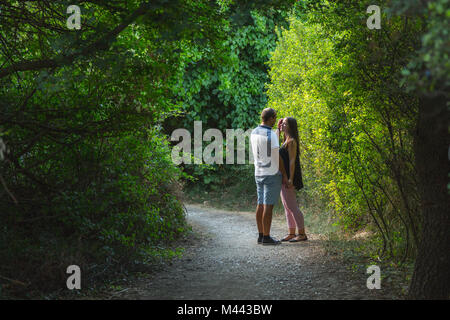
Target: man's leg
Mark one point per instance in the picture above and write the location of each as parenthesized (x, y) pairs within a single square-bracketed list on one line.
[(267, 219), (259, 217), (271, 195), (260, 207)]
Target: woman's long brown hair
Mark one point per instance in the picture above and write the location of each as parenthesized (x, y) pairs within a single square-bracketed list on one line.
[(293, 132)]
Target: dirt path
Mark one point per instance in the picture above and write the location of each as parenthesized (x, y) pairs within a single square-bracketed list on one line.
[(225, 262)]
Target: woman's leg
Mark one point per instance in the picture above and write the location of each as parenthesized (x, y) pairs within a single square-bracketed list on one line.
[(289, 217), (291, 203)]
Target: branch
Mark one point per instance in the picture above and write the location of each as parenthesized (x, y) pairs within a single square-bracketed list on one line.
[(102, 44), (13, 281), (7, 190)]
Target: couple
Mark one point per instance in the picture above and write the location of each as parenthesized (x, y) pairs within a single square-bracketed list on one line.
[(277, 169)]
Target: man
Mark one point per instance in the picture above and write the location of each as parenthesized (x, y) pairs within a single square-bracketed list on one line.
[(265, 148)]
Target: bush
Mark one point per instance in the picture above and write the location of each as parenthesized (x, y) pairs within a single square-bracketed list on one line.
[(118, 211), (356, 142)]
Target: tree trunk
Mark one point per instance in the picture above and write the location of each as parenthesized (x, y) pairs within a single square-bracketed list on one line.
[(431, 278)]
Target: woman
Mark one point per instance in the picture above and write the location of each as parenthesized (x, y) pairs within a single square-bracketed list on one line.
[(289, 152)]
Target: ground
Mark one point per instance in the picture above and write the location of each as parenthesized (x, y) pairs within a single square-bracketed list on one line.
[(222, 260)]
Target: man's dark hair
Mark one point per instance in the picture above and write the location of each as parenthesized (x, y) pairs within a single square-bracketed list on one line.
[(268, 113)]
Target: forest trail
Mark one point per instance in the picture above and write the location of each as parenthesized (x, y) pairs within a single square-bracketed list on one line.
[(223, 261)]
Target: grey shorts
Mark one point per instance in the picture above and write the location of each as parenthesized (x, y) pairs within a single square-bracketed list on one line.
[(268, 188)]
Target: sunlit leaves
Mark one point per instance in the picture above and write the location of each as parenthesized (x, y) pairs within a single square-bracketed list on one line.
[(342, 84)]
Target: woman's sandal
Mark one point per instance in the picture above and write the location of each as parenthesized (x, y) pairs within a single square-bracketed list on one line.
[(296, 239), (287, 237)]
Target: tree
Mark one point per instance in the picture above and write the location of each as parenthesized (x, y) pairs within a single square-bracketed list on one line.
[(427, 75), (375, 110), (88, 174), (88, 165)]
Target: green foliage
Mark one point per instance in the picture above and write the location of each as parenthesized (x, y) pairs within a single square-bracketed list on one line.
[(427, 72), (230, 187), (342, 82), (229, 95), (82, 112), (85, 167), (81, 116)]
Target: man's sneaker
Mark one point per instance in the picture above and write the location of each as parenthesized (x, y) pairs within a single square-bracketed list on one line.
[(260, 239), (269, 241)]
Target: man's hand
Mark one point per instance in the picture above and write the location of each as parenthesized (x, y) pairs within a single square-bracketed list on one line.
[(285, 181), (290, 184), (279, 124)]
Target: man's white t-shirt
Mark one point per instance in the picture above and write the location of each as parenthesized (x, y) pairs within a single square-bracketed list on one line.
[(265, 148)]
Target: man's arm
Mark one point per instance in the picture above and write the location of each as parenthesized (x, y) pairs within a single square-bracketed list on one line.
[(278, 130)]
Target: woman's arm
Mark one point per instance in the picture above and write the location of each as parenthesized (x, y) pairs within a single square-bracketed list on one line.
[(284, 176), (292, 148)]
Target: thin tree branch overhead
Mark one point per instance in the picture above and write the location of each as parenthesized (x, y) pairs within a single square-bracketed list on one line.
[(102, 44)]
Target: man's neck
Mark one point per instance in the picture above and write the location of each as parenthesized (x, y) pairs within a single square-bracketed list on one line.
[(265, 124)]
